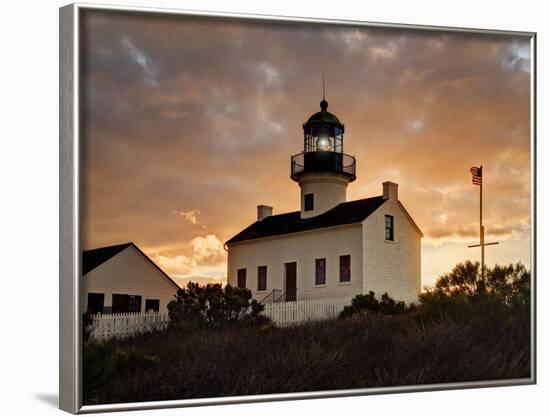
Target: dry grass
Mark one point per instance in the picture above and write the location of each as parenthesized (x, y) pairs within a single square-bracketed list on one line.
[(369, 351)]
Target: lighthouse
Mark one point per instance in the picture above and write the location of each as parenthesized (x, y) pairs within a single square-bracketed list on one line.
[(323, 171), (330, 247)]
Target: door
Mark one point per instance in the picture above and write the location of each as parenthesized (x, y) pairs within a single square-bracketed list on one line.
[(290, 281)]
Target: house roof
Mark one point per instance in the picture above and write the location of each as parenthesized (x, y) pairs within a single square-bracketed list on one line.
[(93, 258), (282, 224)]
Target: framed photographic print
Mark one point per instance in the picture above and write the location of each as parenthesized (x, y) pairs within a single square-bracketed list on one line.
[(257, 208)]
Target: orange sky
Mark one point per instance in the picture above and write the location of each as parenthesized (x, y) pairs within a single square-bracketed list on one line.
[(189, 124)]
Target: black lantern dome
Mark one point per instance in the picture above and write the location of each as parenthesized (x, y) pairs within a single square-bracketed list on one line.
[(323, 147), (324, 116)]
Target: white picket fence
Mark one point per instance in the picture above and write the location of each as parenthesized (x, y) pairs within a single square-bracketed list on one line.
[(295, 312), (123, 325), (286, 313)]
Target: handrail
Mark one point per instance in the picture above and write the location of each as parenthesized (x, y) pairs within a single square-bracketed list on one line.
[(322, 161), (273, 296)]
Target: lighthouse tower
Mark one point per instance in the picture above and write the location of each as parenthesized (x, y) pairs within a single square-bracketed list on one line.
[(322, 170)]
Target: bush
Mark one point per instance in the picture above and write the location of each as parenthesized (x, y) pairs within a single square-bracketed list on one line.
[(368, 302), (214, 306), (103, 361), (87, 327), (464, 294)]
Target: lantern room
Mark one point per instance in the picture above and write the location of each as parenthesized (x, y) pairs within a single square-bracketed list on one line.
[(323, 147), (323, 132)]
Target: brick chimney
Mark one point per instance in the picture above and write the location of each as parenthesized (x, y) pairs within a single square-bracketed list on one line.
[(390, 190), (264, 211)]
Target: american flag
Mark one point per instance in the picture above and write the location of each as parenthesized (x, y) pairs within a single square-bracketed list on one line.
[(476, 175)]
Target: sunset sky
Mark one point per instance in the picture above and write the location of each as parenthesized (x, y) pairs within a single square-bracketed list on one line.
[(188, 124)]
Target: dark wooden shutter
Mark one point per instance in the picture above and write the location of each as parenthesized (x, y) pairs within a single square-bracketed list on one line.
[(121, 303), (95, 303), (320, 271), (345, 268), (241, 278), (262, 278)]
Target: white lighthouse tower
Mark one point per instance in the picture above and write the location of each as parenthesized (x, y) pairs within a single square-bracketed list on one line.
[(322, 170)]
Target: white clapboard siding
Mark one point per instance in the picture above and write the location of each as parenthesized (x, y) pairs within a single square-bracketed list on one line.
[(106, 326), (128, 272), (295, 312)]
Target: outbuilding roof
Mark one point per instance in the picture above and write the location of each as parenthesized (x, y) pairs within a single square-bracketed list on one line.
[(282, 224), (93, 258)]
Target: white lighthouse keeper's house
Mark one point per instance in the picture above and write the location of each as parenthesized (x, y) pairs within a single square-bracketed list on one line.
[(331, 247)]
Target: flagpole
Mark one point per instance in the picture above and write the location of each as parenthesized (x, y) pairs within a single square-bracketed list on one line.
[(481, 228)]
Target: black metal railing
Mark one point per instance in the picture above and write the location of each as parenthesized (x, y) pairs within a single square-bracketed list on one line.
[(322, 162), (275, 296)]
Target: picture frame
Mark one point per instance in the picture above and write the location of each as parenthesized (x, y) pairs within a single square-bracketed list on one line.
[(70, 203)]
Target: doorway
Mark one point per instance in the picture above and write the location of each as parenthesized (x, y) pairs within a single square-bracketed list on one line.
[(290, 281)]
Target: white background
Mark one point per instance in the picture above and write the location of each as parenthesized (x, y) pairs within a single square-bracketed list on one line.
[(29, 205)]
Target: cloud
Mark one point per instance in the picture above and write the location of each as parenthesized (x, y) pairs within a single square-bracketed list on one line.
[(192, 216), (177, 264), (203, 257), (139, 57), (225, 114), (182, 282), (208, 248)]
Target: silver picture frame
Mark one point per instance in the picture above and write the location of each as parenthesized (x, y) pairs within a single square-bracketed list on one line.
[(70, 197)]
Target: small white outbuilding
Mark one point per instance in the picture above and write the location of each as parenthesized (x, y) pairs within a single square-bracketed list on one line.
[(331, 247), (122, 279)]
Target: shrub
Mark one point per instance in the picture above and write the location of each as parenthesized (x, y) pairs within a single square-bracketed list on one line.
[(87, 327), (103, 361), (368, 302), (502, 294), (214, 306)]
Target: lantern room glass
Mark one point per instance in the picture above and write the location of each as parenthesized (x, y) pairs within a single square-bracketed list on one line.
[(323, 138)]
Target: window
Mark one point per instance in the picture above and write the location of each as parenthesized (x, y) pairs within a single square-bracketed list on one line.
[(320, 271), (262, 278), (95, 303), (152, 305), (124, 303), (308, 202), (345, 268), (241, 278), (389, 227), (134, 303)]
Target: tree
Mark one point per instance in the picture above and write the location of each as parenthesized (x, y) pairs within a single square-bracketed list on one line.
[(463, 293), (213, 305)]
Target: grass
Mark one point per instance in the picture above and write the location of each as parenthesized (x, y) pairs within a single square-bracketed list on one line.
[(371, 350)]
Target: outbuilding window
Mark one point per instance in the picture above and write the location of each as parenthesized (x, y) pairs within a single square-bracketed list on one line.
[(320, 271), (345, 268), (152, 305), (124, 303), (389, 227), (308, 202), (262, 278), (241, 278)]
